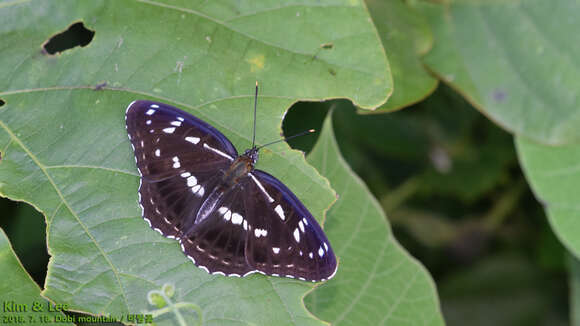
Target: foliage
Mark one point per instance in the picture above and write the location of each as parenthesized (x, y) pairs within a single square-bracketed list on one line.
[(449, 179)]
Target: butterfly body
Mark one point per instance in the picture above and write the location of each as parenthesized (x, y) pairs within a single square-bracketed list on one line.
[(240, 168), (229, 217)]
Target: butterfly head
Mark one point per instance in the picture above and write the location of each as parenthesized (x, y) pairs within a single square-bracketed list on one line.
[(252, 154)]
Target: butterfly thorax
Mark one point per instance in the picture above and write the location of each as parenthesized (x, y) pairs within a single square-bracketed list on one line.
[(241, 166)]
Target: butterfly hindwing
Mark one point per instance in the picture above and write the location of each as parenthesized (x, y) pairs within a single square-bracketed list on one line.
[(217, 243), (285, 239)]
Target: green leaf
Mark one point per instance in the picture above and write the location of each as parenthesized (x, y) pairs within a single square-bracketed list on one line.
[(65, 150), (512, 62), (554, 175), (199, 53), (406, 36), (378, 282), (18, 288)]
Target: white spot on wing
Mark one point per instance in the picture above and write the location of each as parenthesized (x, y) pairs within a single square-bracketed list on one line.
[(333, 273), (276, 250), (185, 175), (150, 112), (148, 122), (310, 255), (176, 123), (296, 235), (301, 226), (222, 210), (193, 140), (259, 184), (180, 119), (217, 151), (237, 218), (325, 246), (176, 164), (320, 252), (204, 268), (228, 215), (155, 106), (305, 221), (158, 152), (169, 130), (280, 212), (260, 232), (191, 181)]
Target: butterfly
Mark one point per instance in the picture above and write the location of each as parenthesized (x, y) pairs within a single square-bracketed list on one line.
[(230, 218)]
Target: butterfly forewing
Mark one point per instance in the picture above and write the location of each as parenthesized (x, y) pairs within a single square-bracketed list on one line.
[(167, 141), (229, 218), (179, 158), (285, 239)]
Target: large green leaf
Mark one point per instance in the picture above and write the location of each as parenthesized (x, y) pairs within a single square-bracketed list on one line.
[(64, 147), (378, 282), (406, 36), (17, 289), (199, 52), (513, 62), (554, 175)]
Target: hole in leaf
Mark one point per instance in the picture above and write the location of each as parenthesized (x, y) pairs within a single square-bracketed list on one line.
[(327, 46), (303, 116), (76, 35), (26, 230)]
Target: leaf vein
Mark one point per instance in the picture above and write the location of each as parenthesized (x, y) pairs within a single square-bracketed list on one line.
[(65, 202)]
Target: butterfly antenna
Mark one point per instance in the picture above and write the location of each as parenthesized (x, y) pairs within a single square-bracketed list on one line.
[(255, 109), (288, 138)]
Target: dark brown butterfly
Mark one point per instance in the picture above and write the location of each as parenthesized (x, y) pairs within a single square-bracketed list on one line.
[(230, 218)]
